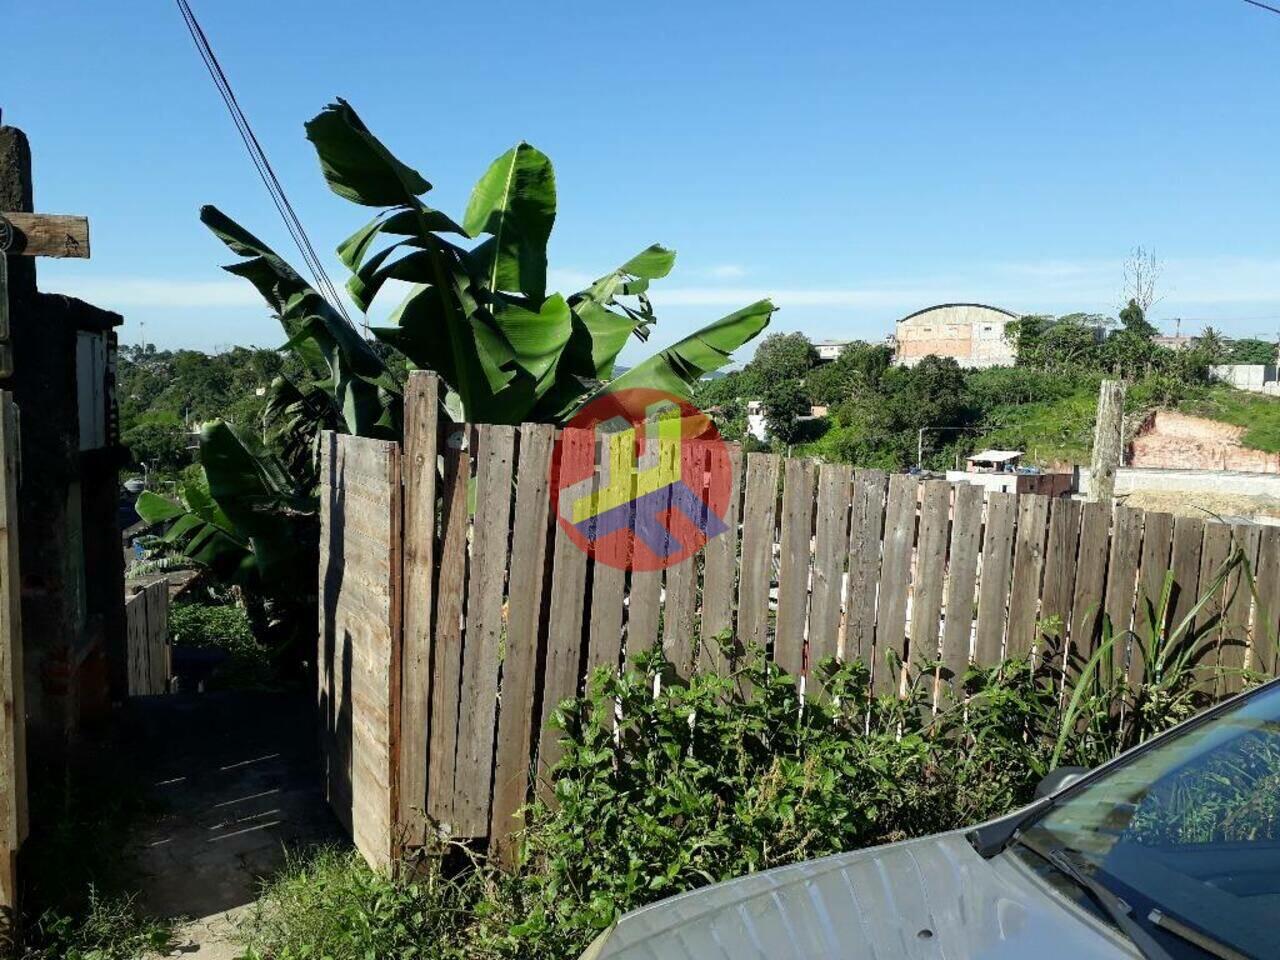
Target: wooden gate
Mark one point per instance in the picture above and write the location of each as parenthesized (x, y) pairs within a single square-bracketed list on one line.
[(13, 736)]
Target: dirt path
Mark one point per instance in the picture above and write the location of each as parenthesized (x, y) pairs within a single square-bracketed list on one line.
[(238, 779)]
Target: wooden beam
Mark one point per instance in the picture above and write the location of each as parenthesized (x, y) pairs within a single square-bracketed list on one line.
[(46, 235)]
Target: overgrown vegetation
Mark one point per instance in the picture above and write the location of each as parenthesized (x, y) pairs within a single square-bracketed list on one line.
[(1045, 405), (717, 776)]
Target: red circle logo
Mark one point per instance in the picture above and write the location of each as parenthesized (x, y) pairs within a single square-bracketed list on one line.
[(640, 479)]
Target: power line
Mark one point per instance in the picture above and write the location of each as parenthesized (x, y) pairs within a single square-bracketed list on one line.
[(1264, 6), (258, 156)]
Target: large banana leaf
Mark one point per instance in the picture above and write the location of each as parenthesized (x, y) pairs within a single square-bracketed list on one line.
[(677, 368), (201, 532), (246, 521), (360, 388)]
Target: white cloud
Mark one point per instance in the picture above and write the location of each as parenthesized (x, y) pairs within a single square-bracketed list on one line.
[(728, 271)]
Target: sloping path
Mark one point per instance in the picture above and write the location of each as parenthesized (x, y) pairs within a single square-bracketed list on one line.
[(238, 779)]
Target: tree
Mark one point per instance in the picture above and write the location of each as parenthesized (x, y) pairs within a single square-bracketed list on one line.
[(785, 402), (1251, 350), (1133, 318), (159, 441), (1141, 275), (780, 356), (1212, 345), (859, 363)]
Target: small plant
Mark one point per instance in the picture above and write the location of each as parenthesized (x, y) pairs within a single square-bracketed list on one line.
[(110, 929)]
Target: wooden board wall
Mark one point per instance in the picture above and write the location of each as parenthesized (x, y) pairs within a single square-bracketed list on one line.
[(360, 647), (148, 654)]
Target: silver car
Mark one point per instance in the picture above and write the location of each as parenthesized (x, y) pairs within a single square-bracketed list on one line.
[(1170, 851)]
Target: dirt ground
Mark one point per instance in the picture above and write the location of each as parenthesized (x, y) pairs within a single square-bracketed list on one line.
[(237, 777)]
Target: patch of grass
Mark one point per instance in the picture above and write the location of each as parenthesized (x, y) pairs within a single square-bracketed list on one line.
[(109, 929), (224, 626)]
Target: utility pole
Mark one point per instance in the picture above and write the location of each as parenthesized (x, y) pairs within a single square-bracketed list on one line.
[(1108, 441)]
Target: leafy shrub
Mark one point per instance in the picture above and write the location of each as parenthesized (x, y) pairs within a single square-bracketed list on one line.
[(110, 929), (224, 626), (717, 776)]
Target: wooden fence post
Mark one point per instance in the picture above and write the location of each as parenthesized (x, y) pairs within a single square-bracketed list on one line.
[(13, 724), (421, 446), (1108, 441)]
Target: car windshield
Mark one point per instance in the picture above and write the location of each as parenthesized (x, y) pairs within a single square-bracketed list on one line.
[(1187, 832)]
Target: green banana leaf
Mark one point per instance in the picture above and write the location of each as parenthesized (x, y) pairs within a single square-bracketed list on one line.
[(360, 388)]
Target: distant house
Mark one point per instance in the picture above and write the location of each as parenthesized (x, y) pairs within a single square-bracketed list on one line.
[(829, 350), (973, 334), (1176, 342)]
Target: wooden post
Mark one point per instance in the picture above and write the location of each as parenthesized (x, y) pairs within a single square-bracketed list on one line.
[(13, 736), (421, 446), (1108, 441)]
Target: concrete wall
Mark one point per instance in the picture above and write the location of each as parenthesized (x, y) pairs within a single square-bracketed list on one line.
[(1131, 480), (1254, 377), (972, 334)]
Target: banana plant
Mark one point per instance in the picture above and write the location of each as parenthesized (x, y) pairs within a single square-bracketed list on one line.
[(480, 315), (477, 312)]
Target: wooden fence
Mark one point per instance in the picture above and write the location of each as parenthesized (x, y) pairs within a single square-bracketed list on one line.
[(146, 616), (444, 721), (13, 725)]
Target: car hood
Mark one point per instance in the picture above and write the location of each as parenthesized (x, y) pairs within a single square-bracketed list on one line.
[(933, 898)]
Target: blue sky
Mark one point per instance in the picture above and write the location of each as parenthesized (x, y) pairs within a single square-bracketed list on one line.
[(856, 160)]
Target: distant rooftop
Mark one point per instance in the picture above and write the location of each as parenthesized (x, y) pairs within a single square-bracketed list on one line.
[(997, 456)]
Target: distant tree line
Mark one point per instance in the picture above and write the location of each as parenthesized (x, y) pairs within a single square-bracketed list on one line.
[(877, 411)]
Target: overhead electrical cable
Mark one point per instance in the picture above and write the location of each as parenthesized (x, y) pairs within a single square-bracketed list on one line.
[(292, 222)]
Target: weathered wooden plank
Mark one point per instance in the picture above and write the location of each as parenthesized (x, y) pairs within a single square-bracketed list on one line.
[(13, 730), (1028, 573), (895, 583), (520, 667), (793, 566), (615, 459), (1154, 565), (1266, 621), (477, 712), (866, 534), (1213, 587), (1059, 580), (418, 464), (993, 585), (830, 553), (644, 604), (1122, 579), (930, 571), (1188, 538), (562, 666), (1236, 629), (759, 513), (962, 579), (680, 629), (361, 643), (446, 647), (1091, 579), (48, 235), (719, 575)]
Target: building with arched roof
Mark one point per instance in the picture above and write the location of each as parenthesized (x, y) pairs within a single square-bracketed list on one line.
[(971, 333)]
